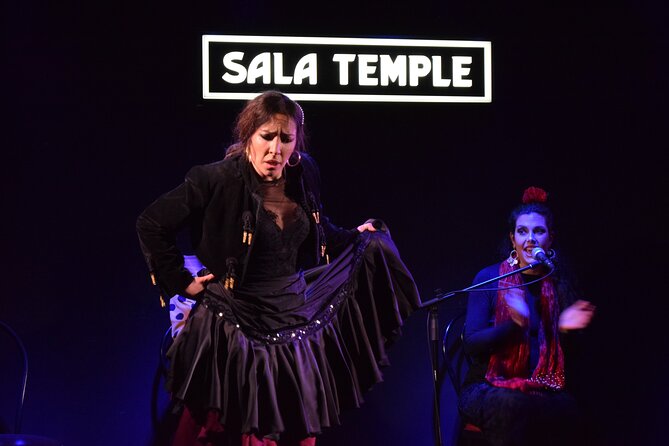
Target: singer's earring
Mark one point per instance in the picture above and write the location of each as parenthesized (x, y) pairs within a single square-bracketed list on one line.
[(551, 254), (294, 163), (513, 258)]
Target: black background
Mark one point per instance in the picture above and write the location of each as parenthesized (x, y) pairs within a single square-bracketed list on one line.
[(103, 112)]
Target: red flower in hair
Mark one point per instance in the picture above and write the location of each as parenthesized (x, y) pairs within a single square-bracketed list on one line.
[(534, 195)]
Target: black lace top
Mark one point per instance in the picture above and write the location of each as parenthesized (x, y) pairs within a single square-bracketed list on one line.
[(281, 228)]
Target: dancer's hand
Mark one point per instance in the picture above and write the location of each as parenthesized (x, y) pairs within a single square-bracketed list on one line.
[(198, 285)]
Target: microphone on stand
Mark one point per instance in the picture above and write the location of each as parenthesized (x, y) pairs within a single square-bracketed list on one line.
[(539, 254)]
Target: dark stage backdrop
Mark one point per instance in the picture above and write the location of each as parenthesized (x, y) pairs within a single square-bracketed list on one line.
[(103, 113)]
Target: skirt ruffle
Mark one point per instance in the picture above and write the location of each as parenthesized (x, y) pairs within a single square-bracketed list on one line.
[(290, 356)]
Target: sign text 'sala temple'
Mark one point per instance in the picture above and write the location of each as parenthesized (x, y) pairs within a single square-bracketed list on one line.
[(368, 69), (347, 69)]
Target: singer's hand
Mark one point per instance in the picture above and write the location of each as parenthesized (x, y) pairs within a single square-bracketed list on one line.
[(518, 309), (576, 316), (197, 285), (367, 226)]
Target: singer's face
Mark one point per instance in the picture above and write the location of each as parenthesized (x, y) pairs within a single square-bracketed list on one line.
[(271, 145), (531, 231)]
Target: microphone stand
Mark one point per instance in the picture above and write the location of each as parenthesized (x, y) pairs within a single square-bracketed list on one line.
[(433, 325)]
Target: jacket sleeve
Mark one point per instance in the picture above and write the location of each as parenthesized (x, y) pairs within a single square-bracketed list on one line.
[(481, 336), (160, 223), (336, 237)]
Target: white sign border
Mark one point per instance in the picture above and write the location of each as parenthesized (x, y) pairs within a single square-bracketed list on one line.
[(487, 67)]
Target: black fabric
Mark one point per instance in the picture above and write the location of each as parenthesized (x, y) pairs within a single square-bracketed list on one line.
[(281, 228), (280, 342), (211, 203), (509, 417), (291, 353)]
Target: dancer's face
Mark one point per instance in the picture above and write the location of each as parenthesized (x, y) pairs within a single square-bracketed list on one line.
[(271, 145)]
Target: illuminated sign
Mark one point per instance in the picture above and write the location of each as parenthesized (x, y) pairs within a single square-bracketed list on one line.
[(347, 69)]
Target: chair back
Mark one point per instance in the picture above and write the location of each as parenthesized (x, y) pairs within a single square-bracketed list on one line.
[(23, 365), (456, 364), (455, 361), (17, 438)]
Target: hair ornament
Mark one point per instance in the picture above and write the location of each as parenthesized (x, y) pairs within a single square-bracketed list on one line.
[(301, 112), (534, 195)]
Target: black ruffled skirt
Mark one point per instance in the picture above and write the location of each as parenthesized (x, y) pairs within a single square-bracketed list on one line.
[(288, 355)]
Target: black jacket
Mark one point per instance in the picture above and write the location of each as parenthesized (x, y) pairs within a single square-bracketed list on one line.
[(217, 203)]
